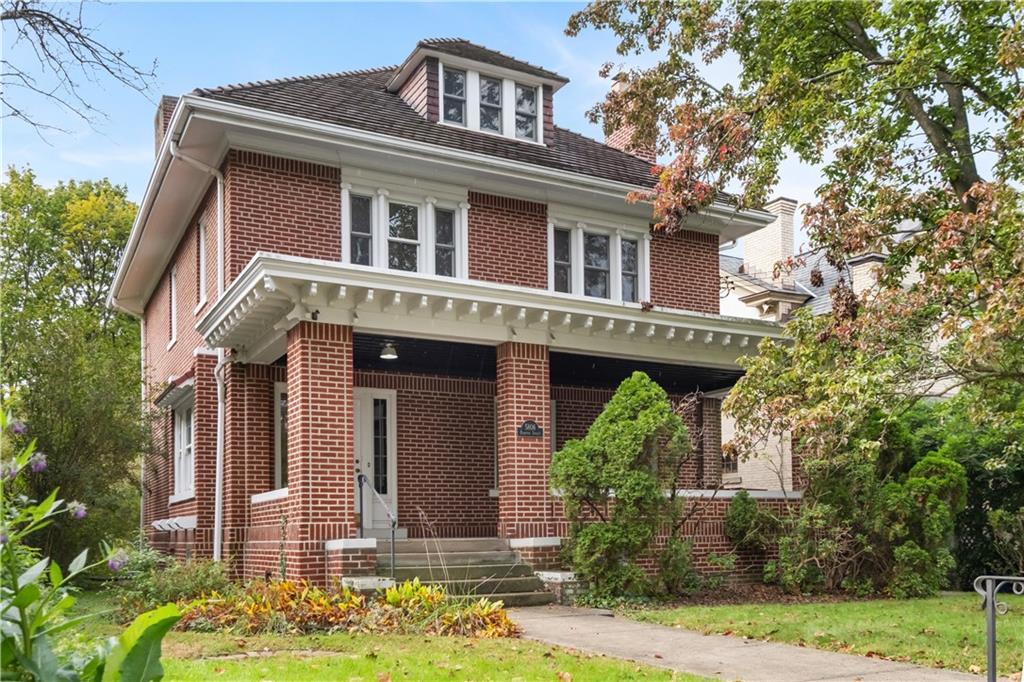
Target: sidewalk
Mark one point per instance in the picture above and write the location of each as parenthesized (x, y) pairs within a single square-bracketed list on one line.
[(727, 658)]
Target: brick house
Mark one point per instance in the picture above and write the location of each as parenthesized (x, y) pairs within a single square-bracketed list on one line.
[(409, 273)]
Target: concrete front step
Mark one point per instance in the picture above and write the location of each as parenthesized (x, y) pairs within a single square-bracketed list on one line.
[(466, 572), (485, 587), (442, 546), (523, 598), (447, 558)]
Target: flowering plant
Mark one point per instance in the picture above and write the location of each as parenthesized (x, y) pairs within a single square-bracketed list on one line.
[(36, 593)]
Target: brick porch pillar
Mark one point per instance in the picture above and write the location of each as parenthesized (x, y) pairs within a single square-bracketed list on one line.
[(711, 414), (320, 445), (524, 394)]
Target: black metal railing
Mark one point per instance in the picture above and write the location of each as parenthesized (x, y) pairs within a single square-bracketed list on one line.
[(989, 587), (364, 480)]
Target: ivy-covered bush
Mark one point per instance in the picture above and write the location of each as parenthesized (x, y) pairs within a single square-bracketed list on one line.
[(613, 481)]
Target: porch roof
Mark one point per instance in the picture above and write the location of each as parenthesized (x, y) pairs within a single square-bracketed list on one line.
[(273, 293)]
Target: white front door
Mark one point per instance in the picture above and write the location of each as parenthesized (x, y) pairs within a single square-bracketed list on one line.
[(376, 454)]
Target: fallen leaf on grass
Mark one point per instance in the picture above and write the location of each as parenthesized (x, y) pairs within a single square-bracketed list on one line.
[(563, 676), (384, 677), (658, 656), (976, 669)]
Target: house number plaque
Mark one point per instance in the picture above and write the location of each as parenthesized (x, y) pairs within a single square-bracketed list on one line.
[(530, 429)]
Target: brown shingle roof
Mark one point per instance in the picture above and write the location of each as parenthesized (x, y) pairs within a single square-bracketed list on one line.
[(358, 99), (459, 47)]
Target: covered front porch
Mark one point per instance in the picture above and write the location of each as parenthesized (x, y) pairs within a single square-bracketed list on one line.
[(449, 403)]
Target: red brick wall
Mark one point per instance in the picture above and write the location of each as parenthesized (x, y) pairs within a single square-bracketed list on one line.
[(281, 206), (523, 394), (320, 444), (508, 241), (684, 271), (445, 453)]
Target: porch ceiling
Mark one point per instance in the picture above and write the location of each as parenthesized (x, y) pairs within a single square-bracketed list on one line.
[(274, 293)]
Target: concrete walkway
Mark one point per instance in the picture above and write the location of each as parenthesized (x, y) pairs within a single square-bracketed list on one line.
[(728, 658)]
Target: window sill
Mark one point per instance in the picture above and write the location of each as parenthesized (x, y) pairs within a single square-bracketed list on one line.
[(269, 496), (181, 497)]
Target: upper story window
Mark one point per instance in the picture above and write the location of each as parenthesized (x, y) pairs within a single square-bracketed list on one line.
[(455, 96), (403, 232), (526, 112), (200, 265), (172, 303), (598, 262), (491, 104)]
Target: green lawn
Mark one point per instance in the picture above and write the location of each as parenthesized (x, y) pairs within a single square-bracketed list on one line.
[(202, 656), (942, 632)]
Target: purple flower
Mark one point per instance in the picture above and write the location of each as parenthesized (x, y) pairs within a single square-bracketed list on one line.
[(76, 509), (9, 470), (19, 428), (37, 462), (117, 560), (3, 537)]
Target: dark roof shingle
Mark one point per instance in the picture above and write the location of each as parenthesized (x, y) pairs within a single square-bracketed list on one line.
[(459, 47), (358, 99)]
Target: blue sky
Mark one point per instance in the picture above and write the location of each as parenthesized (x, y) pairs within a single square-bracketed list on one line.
[(209, 44)]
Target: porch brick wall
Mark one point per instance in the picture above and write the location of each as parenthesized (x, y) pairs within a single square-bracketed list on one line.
[(523, 393), (320, 444), (446, 453), (684, 271), (508, 241), (343, 563)]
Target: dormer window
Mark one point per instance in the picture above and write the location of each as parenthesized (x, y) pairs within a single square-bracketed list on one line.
[(455, 96), (526, 112), (490, 104)]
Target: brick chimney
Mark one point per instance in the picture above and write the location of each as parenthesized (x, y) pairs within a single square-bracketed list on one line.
[(162, 119), (765, 247), (864, 270), (621, 138)]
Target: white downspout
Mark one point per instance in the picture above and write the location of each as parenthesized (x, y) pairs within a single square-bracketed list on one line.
[(218, 372)]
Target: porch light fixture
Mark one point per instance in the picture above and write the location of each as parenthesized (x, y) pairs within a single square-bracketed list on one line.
[(388, 352)]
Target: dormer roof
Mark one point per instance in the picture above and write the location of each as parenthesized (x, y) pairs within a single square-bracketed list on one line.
[(462, 49)]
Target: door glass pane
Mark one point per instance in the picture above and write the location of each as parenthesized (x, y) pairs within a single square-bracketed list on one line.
[(380, 445), (282, 418)]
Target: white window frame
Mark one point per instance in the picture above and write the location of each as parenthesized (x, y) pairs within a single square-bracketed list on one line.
[(173, 303), (465, 97), (280, 463), (500, 106), (184, 436), (509, 80), (616, 234), (426, 205), (201, 265), (418, 242), (538, 115)]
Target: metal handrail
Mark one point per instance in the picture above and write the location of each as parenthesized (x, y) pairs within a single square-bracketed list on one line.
[(362, 479), (989, 586)]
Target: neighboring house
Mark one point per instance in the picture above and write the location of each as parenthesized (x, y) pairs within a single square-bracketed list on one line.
[(411, 273), (752, 289)]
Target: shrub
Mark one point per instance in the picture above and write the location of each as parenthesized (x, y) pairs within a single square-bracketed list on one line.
[(612, 489), (747, 525), (289, 606), (676, 575), (918, 572), (1008, 536), (152, 578)]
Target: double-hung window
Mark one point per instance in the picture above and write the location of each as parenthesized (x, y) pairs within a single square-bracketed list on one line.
[(444, 242), (526, 112), (490, 104), (184, 452), (403, 236), (630, 266), (596, 265), (361, 222), (562, 254), (454, 105)]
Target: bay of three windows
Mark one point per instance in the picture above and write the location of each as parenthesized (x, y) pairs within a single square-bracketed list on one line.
[(403, 232), (494, 105), (596, 264)]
